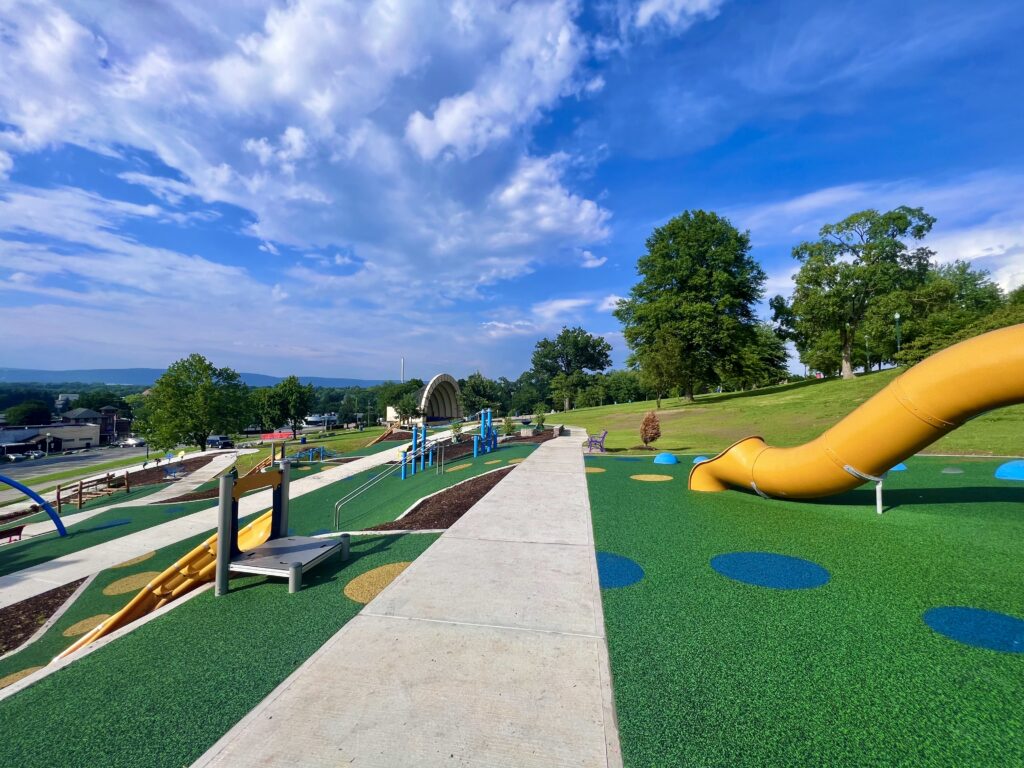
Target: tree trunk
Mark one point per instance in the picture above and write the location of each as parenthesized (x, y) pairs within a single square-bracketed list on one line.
[(688, 391), (659, 406), (847, 369), (566, 409)]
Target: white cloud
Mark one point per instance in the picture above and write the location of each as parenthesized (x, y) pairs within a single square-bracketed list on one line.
[(676, 15), (590, 261), (609, 303), (6, 164), (542, 50)]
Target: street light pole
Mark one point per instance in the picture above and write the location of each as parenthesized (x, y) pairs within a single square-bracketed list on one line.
[(47, 445), (897, 317)]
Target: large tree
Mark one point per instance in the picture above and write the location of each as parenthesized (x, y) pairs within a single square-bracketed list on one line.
[(28, 412), (699, 283), (844, 273), (267, 408), (572, 353), (478, 392), (296, 401), (191, 401)]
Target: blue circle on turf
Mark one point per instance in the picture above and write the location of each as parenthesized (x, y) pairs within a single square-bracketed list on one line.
[(1011, 470), (978, 627), (700, 459), (665, 458), (614, 571), (173, 510), (767, 569), (901, 467)]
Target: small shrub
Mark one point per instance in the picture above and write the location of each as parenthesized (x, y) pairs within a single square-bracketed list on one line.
[(650, 429), (540, 419), (508, 426)]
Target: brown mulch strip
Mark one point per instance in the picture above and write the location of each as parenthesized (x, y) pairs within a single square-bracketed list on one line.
[(442, 510), (19, 622)]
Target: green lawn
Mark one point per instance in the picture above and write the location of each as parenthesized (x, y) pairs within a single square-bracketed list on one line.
[(710, 671), (163, 694), (786, 415)]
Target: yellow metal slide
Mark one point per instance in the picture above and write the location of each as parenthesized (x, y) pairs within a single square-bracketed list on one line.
[(928, 401), (191, 571)]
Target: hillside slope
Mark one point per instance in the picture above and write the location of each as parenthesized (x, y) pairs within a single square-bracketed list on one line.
[(785, 416)]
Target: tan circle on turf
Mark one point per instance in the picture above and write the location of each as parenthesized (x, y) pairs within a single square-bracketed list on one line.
[(493, 461), (595, 470), (16, 676), (458, 467), (365, 587), (132, 583), (651, 478), (134, 560), (85, 625), (516, 461), (305, 469)]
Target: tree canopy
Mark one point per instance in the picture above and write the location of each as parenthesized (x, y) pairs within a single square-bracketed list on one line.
[(698, 283), (562, 363), (28, 412), (191, 401), (296, 401), (844, 275)]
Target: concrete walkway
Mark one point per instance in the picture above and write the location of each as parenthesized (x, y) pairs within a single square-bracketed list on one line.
[(489, 650), (30, 582), (187, 484)]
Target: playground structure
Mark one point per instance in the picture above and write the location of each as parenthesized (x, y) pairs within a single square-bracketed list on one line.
[(38, 500), (487, 440), (87, 490), (210, 561), (928, 401)]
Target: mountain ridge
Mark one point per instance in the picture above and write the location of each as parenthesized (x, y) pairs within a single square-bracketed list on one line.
[(145, 377)]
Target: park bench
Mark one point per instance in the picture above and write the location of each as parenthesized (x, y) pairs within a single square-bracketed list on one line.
[(12, 534), (596, 442)]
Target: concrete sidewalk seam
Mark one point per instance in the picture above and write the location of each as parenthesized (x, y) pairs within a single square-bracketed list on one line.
[(483, 626)]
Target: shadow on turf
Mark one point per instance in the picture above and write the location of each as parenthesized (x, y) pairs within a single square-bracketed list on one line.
[(898, 497)]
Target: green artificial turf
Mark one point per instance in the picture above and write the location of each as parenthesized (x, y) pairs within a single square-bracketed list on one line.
[(713, 672), (314, 512), (87, 533), (163, 694)]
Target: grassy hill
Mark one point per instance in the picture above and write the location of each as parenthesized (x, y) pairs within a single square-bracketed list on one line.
[(785, 416)]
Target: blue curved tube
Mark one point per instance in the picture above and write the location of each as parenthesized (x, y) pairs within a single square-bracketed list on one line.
[(38, 500)]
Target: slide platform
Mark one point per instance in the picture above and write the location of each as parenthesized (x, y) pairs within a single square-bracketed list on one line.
[(930, 400)]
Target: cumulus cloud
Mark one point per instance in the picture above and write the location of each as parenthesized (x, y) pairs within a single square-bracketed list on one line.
[(676, 15), (590, 261)]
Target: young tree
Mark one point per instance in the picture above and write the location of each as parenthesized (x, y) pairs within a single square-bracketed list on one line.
[(192, 401), (296, 401), (660, 366), (843, 274), (478, 392), (407, 408), (572, 353), (28, 412), (699, 283), (650, 429)]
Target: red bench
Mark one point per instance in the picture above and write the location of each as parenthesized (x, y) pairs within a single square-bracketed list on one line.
[(12, 534)]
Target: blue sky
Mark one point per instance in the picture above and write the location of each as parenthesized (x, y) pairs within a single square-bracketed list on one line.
[(320, 188)]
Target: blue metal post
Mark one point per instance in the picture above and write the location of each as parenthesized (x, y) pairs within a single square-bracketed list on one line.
[(415, 439), (403, 465), (476, 445), (423, 448), (430, 458)]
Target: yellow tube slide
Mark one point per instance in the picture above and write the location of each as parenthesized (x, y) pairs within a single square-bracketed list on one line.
[(192, 570), (928, 401)]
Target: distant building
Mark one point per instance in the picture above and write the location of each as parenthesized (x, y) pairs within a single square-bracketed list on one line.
[(65, 399), (105, 419), (52, 437)]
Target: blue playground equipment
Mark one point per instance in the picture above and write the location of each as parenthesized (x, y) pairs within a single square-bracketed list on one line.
[(315, 453), (38, 500), (422, 452), (665, 458), (487, 440), (1011, 470), (699, 459)]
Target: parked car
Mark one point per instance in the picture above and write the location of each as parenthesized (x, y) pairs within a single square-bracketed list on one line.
[(219, 441), (36, 454), (132, 442)]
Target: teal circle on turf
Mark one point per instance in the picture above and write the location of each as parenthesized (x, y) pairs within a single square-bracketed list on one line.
[(665, 458), (700, 459), (1011, 470), (901, 467), (768, 569), (615, 571), (978, 627)]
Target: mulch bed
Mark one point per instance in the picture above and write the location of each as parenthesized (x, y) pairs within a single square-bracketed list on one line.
[(443, 509), (19, 622)]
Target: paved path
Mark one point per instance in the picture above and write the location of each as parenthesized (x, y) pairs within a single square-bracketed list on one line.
[(29, 582), (489, 650), (187, 484)]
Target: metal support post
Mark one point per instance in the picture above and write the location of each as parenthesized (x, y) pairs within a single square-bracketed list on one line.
[(225, 534), (281, 493), (403, 465), (476, 446), (346, 545), (294, 577), (878, 497)]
